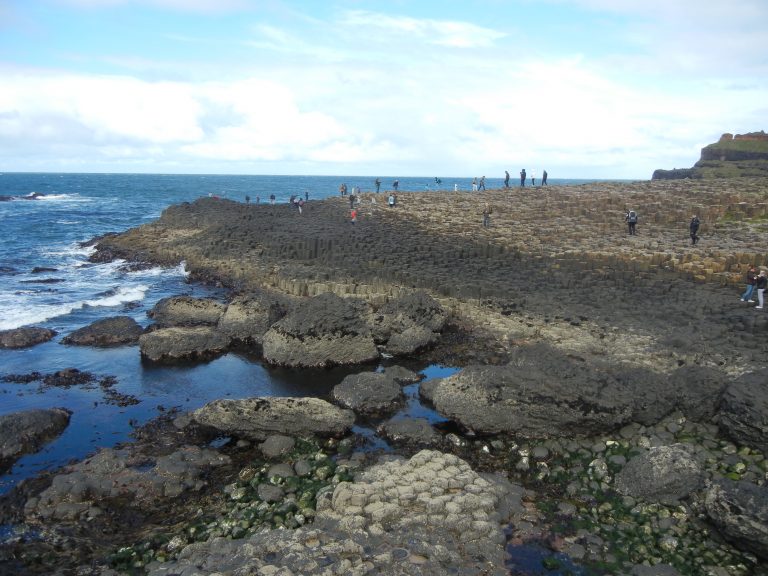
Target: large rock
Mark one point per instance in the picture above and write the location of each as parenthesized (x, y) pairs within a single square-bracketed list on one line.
[(409, 323), (259, 418), (107, 332), (186, 311), (178, 344), (664, 474), (25, 432), (744, 410), (86, 489), (248, 317), (369, 393), (25, 337), (699, 391), (740, 512), (410, 433), (539, 394), (323, 331)]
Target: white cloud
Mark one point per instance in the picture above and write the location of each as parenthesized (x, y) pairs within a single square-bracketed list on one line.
[(440, 32)]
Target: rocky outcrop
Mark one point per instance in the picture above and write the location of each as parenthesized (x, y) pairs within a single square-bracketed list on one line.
[(744, 410), (175, 344), (259, 418), (740, 512), (85, 490), (409, 323), (25, 432), (664, 474), (731, 156), (410, 433), (25, 337), (249, 316), (323, 331), (369, 394), (186, 311), (107, 332)]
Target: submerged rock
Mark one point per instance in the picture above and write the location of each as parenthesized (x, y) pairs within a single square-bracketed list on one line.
[(25, 432)]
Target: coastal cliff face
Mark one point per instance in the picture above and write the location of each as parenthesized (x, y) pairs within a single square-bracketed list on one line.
[(730, 157)]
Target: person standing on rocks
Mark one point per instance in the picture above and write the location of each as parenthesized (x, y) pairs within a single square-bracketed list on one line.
[(631, 219), (533, 177), (506, 178), (522, 178), (481, 185), (474, 184), (761, 284), (751, 281), (377, 182), (695, 222), (271, 198), (544, 178), (395, 184), (353, 216), (391, 200), (487, 215)]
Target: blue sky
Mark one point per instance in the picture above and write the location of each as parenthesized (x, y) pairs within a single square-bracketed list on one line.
[(581, 88)]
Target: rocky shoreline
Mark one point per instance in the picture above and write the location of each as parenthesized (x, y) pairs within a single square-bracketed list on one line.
[(610, 416)]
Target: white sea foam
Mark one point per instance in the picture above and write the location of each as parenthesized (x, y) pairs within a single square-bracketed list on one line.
[(19, 315), (122, 295)]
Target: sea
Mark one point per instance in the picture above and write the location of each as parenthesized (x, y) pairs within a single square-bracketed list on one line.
[(46, 280)]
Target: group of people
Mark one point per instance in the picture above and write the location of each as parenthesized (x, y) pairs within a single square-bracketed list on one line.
[(755, 281), (524, 177)]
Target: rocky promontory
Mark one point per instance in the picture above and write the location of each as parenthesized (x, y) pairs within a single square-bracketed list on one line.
[(733, 156)]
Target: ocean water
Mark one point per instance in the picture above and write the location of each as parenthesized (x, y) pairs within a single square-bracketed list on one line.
[(46, 280)]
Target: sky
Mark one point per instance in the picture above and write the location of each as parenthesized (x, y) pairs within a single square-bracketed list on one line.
[(462, 88)]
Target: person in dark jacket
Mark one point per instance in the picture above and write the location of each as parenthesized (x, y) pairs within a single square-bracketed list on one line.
[(631, 219), (761, 283), (751, 280), (694, 226)]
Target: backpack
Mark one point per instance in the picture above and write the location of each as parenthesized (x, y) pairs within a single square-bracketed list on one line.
[(632, 216)]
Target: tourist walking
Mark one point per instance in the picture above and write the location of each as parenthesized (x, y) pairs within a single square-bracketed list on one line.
[(481, 185), (761, 284), (391, 200), (522, 178), (544, 178), (751, 281), (631, 219), (353, 216), (533, 177), (395, 184), (694, 226), (343, 189), (486, 216), (377, 182), (474, 184), (271, 198), (506, 178)]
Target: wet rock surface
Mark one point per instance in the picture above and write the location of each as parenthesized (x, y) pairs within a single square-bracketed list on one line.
[(25, 337), (169, 345), (186, 311), (27, 431), (107, 332), (369, 394)]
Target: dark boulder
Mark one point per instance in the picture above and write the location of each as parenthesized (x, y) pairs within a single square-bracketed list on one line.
[(663, 474), (740, 512), (699, 391), (744, 410), (25, 432), (25, 337), (186, 311), (107, 332), (369, 394), (176, 344), (325, 330), (409, 323), (411, 433)]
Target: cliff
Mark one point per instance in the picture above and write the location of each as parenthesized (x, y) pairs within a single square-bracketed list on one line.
[(742, 155)]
